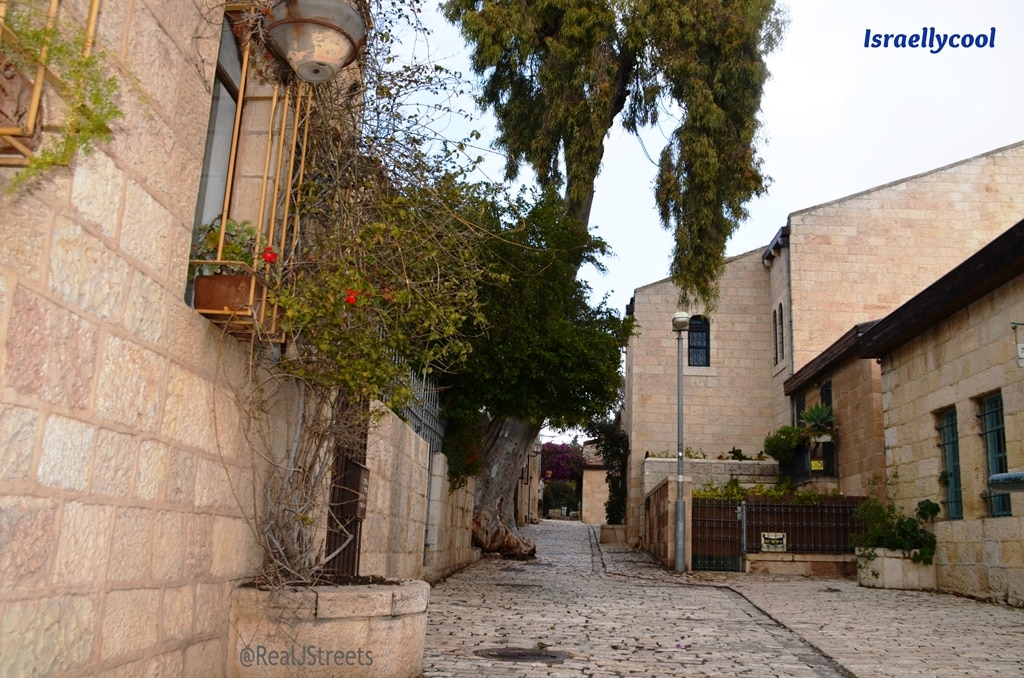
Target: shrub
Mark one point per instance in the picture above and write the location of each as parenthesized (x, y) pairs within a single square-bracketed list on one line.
[(782, 444), (885, 526)]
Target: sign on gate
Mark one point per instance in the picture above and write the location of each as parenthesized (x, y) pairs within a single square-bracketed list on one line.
[(773, 542)]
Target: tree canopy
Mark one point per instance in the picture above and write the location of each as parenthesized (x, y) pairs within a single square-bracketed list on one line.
[(548, 354), (558, 73)]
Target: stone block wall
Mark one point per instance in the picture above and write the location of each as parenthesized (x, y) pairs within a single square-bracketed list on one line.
[(124, 473), (402, 537), (126, 470), (595, 494), (659, 534), (396, 508), (857, 404), (964, 357), (858, 258), (716, 472), (450, 535), (725, 405)]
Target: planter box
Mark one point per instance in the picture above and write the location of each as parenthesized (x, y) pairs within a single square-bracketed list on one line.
[(369, 630), (894, 570)]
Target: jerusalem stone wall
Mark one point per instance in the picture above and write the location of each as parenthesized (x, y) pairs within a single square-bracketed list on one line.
[(450, 533), (124, 475), (716, 472), (858, 258), (397, 540), (595, 495), (966, 356), (857, 404), (126, 480), (725, 405)]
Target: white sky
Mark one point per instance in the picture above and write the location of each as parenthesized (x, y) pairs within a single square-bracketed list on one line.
[(837, 119)]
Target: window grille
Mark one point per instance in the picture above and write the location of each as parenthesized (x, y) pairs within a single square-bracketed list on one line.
[(950, 445), (700, 342), (282, 123), (994, 435)]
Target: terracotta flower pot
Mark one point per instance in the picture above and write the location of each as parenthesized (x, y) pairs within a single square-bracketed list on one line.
[(226, 293)]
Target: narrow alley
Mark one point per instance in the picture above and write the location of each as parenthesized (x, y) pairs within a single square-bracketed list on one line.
[(585, 609)]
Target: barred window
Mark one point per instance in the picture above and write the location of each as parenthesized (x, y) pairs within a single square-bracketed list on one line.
[(700, 342), (949, 443), (994, 435)]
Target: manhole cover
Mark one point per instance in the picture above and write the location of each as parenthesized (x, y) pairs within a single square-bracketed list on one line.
[(518, 654)]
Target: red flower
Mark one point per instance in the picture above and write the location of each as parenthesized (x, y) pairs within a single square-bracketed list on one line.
[(269, 255), (350, 296)]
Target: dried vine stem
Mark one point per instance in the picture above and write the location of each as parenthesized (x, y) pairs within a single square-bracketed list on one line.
[(383, 279)]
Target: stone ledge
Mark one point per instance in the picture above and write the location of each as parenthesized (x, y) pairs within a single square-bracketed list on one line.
[(366, 630)]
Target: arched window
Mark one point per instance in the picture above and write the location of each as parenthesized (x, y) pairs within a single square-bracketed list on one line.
[(700, 342), (775, 337)]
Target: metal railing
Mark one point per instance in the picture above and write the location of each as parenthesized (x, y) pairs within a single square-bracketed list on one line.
[(788, 525), (725, 530)]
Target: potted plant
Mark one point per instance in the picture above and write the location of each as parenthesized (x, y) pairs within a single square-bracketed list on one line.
[(894, 550), (222, 267), (820, 422)]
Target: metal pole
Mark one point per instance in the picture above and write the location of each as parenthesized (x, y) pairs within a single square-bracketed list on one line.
[(680, 558)]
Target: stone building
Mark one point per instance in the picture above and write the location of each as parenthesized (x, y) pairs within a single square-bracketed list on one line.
[(952, 373), (128, 483), (595, 486), (831, 268)]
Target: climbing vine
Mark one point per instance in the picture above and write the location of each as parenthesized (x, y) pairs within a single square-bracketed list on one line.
[(83, 83)]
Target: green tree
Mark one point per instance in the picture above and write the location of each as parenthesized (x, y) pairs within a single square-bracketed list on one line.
[(547, 356), (613, 446), (558, 74)]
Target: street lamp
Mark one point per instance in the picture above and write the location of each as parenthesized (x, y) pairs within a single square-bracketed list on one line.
[(680, 324)]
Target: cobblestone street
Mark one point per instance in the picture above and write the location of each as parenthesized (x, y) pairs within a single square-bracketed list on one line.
[(612, 611)]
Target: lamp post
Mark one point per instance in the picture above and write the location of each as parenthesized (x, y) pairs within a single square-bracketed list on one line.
[(680, 324)]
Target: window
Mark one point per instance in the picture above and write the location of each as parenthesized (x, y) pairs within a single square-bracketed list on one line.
[(994, 435), (775, 337), (782, 335), (949, 444), (825, 393), (700, 342), (220, 129)]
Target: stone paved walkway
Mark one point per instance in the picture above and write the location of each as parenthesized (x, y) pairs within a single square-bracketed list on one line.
[(614, 612)]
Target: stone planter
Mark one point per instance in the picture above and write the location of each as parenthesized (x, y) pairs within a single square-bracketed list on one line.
[(891, 569), (368, 630)]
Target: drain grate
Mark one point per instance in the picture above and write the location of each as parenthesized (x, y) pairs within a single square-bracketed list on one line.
[(519, 654)]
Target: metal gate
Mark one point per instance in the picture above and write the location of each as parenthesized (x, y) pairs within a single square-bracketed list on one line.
[(717, 539)]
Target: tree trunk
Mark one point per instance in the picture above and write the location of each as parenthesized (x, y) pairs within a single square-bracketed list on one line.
[(506, 448)]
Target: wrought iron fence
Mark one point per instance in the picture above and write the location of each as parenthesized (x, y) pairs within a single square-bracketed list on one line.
[(424, 412), (794, 527), (725, 530)]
